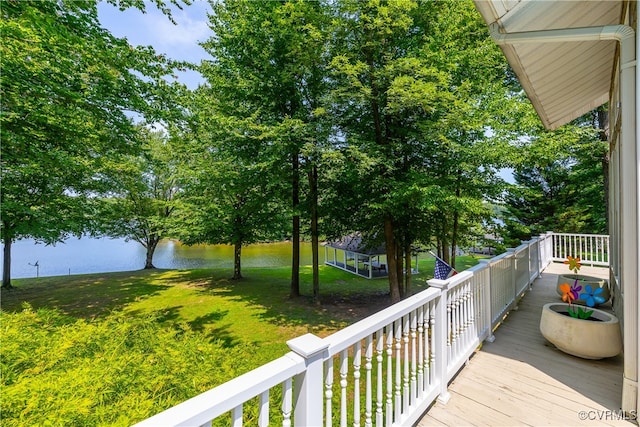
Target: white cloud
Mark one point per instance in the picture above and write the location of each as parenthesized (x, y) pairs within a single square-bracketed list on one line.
[(152, 28), (192, 27)]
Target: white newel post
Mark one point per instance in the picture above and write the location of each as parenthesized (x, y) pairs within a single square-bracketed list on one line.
[(529, 248), (441, 337), (308, 396), (542, 251), (486, 300), (514, 277)]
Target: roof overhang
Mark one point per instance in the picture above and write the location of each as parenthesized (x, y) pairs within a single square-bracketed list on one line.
[(355, 243), (563, 77)]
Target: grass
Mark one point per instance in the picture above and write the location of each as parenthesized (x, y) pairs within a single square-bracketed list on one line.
[(171, 334)]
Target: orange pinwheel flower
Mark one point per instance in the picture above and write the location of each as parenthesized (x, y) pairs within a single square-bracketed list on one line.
[(567, 294), (574, 263)]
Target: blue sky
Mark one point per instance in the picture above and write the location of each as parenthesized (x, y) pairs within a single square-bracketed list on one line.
[(152, 28)]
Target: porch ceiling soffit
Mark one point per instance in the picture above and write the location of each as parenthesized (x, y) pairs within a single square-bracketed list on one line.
[(562, 80)]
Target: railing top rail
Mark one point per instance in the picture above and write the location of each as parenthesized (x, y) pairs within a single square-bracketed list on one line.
[(346, 337), (453, 281), (498, 258), (483, 265), (581, 235), (206, 406)]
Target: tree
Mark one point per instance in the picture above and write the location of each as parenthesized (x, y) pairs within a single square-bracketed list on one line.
[(559, 185), (141, 210), (267, 70), (228, 197), (415, 82), (66, 87)]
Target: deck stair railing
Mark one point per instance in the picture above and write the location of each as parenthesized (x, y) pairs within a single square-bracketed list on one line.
[(387, 369)]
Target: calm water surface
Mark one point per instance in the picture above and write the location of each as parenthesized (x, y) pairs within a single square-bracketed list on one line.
[(86, 255)]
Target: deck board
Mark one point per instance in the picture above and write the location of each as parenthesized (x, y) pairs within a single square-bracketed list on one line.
[(522, 380)]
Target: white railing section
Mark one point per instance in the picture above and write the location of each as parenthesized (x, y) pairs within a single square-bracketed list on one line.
[(592, 249), (393, 361), (387, 369), (231, 396)]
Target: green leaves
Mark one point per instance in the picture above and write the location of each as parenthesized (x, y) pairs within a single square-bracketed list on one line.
[(68, 88), (112, 371)]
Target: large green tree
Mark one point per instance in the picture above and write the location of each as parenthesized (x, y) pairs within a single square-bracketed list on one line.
[(415, 86), (559, 185), (144, 195), (67, 87), (227, 197), (267, 71)]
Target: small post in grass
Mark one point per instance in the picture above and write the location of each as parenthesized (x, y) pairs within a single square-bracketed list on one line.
[(37, 266)]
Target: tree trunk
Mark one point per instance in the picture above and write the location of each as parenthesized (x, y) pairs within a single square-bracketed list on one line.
[(390, 249), (313, 185), (295, 261), (6, 263), (151, 248), (400, 268), (408, 274), (237, 256), (603, 135), (456, 224)]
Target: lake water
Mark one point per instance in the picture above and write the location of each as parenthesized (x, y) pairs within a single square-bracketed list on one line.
[(86, 255)]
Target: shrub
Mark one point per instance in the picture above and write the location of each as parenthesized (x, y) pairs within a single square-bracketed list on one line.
[(116, 370)]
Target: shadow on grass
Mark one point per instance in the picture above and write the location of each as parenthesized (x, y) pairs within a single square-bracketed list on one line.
[(344, 298), (83, 296)]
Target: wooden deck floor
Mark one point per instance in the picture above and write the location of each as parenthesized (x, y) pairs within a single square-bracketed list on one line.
[(522, 380)]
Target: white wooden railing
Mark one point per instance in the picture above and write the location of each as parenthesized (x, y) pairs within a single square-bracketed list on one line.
[(388, 368), (592, 249)]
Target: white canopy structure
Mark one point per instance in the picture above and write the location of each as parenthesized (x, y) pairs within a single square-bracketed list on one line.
[(352, 255)]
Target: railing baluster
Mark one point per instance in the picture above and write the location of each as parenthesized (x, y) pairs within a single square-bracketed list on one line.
[(379, 362), (357, 354), (465, 316), (389, 408), (368, 356), (344, 371), (472, 330), (457, 327), (287, 402), (407, 373), (432, 356), (263, 418), (414, 356), (328, 392), (450, 325), (473, 312), (421, 352), (236, 416), (398, 375)]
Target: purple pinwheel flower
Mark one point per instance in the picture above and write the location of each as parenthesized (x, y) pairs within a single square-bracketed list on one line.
[(575, 289)]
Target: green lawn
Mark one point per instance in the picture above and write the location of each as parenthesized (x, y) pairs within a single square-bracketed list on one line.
[(112, 349)]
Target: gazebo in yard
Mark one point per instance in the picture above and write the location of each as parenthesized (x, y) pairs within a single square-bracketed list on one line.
[(351, 254)]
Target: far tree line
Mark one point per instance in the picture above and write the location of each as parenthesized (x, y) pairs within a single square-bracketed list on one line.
[(316, 120)]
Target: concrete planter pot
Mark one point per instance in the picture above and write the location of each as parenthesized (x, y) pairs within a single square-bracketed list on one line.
[(583, 281), (594, 338)]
